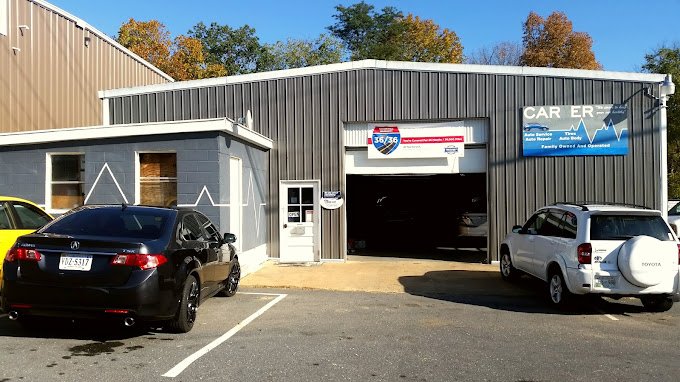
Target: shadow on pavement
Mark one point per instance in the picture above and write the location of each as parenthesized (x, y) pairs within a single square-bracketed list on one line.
[(527, 295), (58, 328), (462, 255)]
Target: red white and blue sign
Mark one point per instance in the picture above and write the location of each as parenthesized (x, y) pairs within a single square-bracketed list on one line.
[(416, 142), (386, 139)]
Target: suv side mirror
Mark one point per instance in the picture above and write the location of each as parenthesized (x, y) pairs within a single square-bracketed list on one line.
[(517, 229), (229, 238)]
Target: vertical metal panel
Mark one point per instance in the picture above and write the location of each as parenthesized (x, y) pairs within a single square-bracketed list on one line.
[(52, 80), (305, 118)]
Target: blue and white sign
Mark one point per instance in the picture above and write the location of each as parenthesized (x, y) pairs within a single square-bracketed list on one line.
[(577, 130)]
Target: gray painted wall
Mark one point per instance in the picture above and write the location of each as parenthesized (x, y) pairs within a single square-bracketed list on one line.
[(199, 164), (304, 116)]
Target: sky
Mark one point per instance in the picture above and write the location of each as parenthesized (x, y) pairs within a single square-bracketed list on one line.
[(623, 31)]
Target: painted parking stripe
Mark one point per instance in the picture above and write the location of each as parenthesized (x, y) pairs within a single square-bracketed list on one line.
[(177, 370), (609, 316)]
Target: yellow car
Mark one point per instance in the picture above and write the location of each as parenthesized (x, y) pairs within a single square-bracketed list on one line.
[(18, 217)]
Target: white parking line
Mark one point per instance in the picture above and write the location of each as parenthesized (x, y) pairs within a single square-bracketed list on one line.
[(177, 370), (609, 316)]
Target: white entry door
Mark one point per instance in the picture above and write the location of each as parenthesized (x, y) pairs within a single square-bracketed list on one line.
[(236, 200), (300, 226)]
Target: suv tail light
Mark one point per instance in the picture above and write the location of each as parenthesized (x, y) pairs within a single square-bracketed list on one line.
[(139, 260), (585, 252), (678, 254), (24, 254)]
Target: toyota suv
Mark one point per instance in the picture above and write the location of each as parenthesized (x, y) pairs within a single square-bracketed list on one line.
[(602, 249)]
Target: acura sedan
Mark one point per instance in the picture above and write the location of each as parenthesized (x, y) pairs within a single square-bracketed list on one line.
[(130, 263)]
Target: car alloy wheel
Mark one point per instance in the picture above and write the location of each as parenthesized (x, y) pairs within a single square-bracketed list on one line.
[(505, 265), (556, 289), (192, 302)]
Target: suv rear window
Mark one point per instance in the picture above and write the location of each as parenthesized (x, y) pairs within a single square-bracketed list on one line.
[(624, 227), (148, 224)]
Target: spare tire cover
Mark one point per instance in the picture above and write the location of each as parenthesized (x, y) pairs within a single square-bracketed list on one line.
[(645, 261)]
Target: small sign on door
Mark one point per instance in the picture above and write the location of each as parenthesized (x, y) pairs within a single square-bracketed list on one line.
[(309, 216)]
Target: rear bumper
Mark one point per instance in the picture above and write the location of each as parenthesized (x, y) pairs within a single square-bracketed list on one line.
[(585, 281), (141, 297)]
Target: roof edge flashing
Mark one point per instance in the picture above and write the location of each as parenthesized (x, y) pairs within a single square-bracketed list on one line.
[(525, 71)]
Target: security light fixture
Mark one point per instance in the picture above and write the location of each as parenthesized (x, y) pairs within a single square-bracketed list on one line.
[(667, 87)]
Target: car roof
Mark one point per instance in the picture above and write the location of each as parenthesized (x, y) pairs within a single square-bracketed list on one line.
[(605, 207), (15, 199)]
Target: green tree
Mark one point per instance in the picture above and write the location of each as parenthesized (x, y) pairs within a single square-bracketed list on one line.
[(365, 32), (667, 60), (238, 50), (389, 35), (552, 42), (302, 53)]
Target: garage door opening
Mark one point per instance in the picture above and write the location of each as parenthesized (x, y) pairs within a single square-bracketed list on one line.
[(418, 216)]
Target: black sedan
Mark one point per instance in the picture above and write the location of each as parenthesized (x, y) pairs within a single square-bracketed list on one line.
[(132, 263)]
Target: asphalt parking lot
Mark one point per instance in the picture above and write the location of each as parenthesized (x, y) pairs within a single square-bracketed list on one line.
[(312, 335)]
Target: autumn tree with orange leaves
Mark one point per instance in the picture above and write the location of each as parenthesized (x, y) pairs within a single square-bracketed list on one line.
[(552, 42), (182, 58)]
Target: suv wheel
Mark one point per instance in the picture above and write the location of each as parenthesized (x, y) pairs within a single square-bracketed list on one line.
[(557, 289), (508, 271), (657, 303)]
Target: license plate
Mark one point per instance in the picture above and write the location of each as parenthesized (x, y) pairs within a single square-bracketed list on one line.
[(608, 282), (72, 262)]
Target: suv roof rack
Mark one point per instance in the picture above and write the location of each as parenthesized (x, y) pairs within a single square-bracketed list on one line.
[(583, 205), (575, 204)]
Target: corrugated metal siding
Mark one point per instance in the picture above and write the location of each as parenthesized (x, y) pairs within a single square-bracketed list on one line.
[(53, 79), (305, 117)]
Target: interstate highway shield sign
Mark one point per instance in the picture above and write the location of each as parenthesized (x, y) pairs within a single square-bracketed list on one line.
[(386, 139)]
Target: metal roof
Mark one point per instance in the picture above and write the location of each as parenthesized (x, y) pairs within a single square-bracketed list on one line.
[(393, 65)]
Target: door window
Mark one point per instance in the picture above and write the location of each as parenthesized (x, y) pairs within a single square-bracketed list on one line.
[(30, 217), (4, 217), (210, 230), (551, 224), (190, 230), (300, 204), (535, 223), (568, 226)]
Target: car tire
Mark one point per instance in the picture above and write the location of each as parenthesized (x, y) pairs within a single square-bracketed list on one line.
[(558, 293), (508, 271), (657, 303), (232, 281), (188, 307)]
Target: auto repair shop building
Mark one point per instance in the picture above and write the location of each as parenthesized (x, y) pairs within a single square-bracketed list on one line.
[(386, 153)]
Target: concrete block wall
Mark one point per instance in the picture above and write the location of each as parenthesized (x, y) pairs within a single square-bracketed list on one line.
[(109, 165)]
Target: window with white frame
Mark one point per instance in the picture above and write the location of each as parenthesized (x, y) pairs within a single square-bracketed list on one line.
[(4, 17), (65, 181), (158, 179)]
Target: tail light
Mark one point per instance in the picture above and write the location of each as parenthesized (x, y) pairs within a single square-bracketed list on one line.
[(678, 254), (24, 254), (139, 260), (584, 252)]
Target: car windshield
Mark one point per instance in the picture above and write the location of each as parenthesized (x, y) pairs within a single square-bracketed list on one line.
[(623, 227), (148, 224), (675, 210)]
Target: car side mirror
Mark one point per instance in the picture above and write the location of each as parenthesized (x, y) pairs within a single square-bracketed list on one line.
[(229, 238), (517, 229)]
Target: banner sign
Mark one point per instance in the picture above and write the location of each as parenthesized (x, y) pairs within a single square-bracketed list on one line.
[(385, 142), (575, 130)]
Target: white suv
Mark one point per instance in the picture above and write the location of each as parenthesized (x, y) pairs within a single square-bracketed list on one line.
[(603, 249)]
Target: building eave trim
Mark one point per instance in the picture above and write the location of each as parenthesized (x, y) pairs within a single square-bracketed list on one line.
[(524, 71), (135, 130)]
